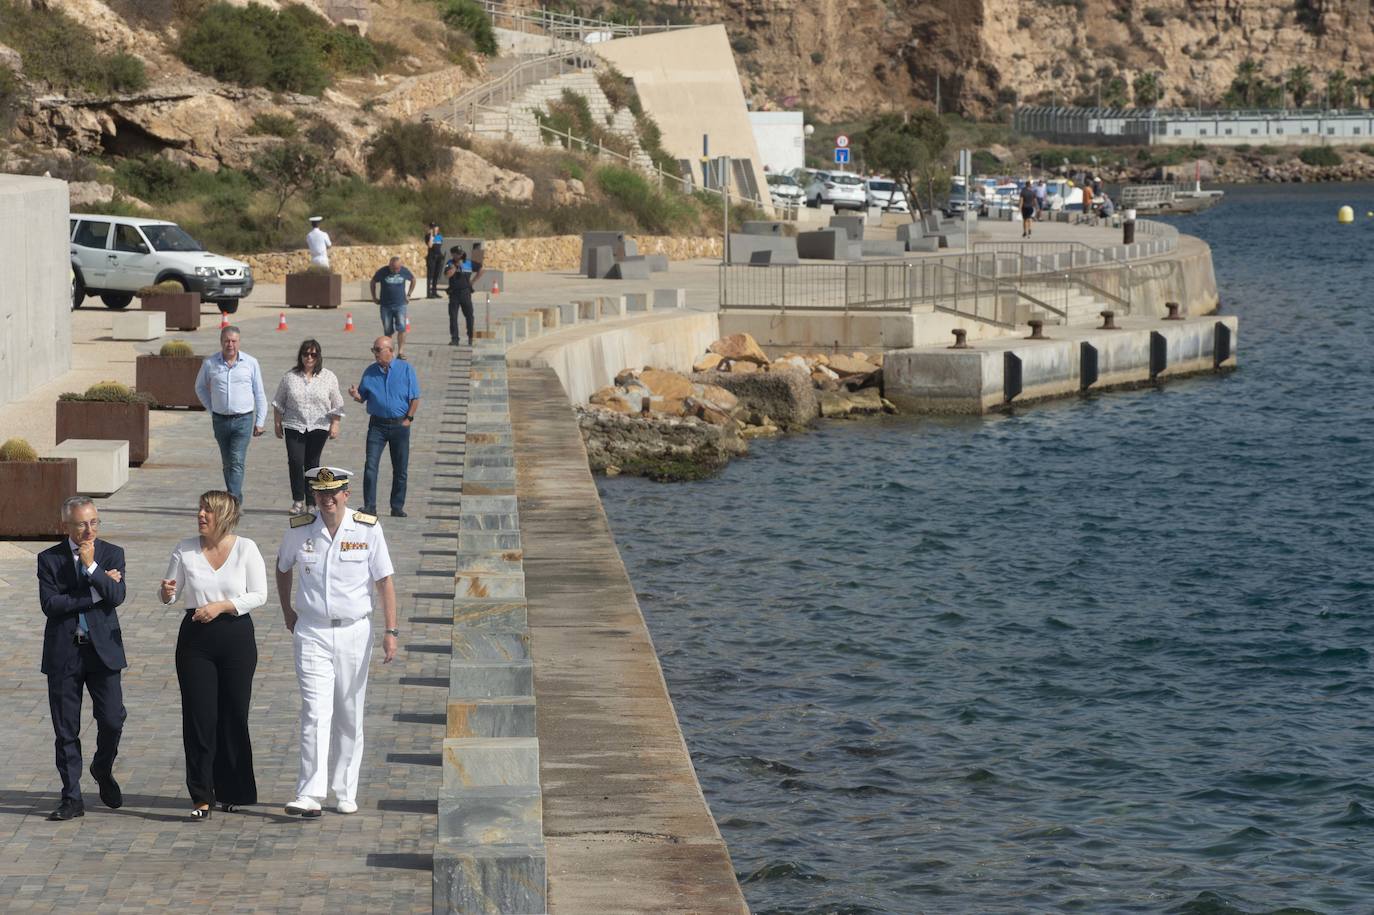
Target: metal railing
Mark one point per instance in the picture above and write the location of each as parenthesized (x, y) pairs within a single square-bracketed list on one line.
[(569, 26), (462, 111), (988, 299)]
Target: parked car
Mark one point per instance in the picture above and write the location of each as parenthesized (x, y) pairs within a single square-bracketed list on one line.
[(886, 194), (115, 256), (839, 189), (785, 191)]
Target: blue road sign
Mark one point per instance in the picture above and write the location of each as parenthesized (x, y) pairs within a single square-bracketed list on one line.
[(841, 156)]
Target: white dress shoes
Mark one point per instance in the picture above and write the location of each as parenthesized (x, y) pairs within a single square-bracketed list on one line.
[(346, 807), (304, 807)]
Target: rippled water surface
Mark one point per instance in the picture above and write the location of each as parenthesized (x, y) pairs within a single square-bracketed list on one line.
[(1104, 655)]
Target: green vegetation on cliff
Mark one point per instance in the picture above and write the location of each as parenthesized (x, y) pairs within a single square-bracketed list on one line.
[(58, 50)]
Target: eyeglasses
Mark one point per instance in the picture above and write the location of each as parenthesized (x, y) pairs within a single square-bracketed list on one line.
[(378, 349), (310, 355), (86, 525), (330, 495)]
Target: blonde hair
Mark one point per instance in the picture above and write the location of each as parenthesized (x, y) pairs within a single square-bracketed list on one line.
[(224, 507)]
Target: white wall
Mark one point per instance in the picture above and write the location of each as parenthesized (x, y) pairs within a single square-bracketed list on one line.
[(780, 139), (35, 297)]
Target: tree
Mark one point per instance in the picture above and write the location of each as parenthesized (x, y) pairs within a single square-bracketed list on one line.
[(289, 169), (1337, 89), (911, 150), (1114, 93), (1299, 84), (1147, 90), (1364, 85), (1247, 82)]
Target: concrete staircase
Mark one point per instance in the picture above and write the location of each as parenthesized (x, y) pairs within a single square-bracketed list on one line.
[(1082, 306)]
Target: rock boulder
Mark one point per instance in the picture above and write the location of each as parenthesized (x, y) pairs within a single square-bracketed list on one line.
[(661, 448), (740, 348), (787, 397)]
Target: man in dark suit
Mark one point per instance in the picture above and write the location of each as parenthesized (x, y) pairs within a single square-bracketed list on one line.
[(80, 583)]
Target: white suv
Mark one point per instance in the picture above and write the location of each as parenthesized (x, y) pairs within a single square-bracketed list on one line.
[(839, 189), (115, 256)]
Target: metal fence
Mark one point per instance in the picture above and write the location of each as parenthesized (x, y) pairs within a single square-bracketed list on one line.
[(569, 26), (499, 93)]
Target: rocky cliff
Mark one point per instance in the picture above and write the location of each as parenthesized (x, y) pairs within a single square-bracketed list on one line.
[(845, 58)]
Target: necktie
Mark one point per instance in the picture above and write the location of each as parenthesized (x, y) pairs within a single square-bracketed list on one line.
[(86, 580)]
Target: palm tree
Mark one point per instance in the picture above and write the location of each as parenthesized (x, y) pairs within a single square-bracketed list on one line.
[(1337, 89), (1147, 90), (1247, 75), (1299, 84), (1364, 84)]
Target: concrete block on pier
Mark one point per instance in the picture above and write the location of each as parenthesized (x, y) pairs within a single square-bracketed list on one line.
[(762, 227), (550, 316), (593, 240), (746, 249), (486, 762), (102, 465), (568, 314), (491, 613), (669, 298), (485, 679), (588, 310), (138, 325), (489, 878), (630, 268), (611, 306), (598, 261), (853, 225), (882, 248), (495, 716), (823, 244), (492, 817), (637, 301)]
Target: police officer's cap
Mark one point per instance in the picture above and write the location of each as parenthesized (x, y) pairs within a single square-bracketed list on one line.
[(316, 218), (328, 479)]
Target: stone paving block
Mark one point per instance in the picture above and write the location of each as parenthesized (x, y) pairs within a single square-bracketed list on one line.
[(489, 474), (568, 313), (484, 762), (102, 465), (503, 563), (489, 521), (486, 585), (477, 488), (490, 438), (550, 316), (481, 679), (637, 301), (499, 878), (497, 716), (588, 309), (492, 614), (491, 504), (492, 817), (471, 644), (612, 306), (669, 298)]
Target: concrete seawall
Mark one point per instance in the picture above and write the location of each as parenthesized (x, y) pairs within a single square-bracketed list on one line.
[(626, 827)]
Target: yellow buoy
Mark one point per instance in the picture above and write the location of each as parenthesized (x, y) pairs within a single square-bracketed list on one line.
[(1345, 215)]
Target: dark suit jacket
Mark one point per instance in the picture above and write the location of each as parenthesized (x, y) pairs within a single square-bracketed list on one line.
[(64, 595)]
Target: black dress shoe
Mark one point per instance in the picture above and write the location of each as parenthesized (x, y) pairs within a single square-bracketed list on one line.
[(110, 795), (68, 810), (398, 513)]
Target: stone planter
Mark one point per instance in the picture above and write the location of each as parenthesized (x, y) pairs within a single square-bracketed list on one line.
[(181, 308), (106, 420), (171, 380), (314, 290), (31, 497)]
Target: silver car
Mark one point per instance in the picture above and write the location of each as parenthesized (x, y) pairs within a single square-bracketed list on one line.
[(839, 189), (886, 194)]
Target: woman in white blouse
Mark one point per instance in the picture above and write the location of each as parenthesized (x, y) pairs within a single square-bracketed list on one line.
[(307, 408), (217, 577)]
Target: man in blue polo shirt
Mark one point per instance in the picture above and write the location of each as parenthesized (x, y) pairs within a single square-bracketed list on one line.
[(397, 285), (391, 392)]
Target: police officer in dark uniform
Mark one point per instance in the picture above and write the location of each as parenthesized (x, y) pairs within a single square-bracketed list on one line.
[(459, 273), (434, 259)]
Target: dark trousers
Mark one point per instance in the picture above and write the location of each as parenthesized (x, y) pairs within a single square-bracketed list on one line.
[(303, 450), (459, 301), (64, 703), (383, 434), (434, 271), (215, 666)]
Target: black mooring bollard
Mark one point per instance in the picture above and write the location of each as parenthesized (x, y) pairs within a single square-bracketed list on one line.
[(1108, 320), (959, 335), (1173, 314)]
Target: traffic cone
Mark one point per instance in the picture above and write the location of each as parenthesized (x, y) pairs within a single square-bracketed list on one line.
[(281, 321), (348, 323), (407, 323), (495, 287), (223, 320)]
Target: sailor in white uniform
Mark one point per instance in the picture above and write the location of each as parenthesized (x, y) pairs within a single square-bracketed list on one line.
[(339, 556), (317, 240)]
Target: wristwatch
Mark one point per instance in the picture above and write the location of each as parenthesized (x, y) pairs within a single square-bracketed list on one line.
[(395, 632), (410, 417)]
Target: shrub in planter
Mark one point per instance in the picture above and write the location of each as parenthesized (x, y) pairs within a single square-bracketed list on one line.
[(32, 490), (169, 297), (315, 287), (107, 410), (169, 376)]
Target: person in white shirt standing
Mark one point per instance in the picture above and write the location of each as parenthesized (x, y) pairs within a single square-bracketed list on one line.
[(220, 578), (317, 240), (342, 556), (230, 387)]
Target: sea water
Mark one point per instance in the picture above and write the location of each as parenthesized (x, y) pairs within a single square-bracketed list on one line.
[(1105, 654)]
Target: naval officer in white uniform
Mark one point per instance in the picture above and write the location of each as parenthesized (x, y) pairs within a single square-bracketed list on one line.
[(340, 555), (318, 243)]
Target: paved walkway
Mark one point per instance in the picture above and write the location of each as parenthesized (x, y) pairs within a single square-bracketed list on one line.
[(147, 855)]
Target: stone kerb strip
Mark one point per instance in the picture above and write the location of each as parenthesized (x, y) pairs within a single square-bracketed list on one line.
[(489, 854)]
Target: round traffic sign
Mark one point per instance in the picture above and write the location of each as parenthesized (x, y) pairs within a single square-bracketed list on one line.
[(842, 141)]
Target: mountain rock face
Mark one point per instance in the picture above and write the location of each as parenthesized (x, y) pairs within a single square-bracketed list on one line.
[(844, 58)]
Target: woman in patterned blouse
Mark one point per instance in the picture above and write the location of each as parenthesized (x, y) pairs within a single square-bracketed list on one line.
[(307, 409)]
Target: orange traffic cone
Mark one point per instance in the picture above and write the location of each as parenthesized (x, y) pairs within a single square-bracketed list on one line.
[(495, 288), (407, 323), (281, 321), (348, 323), (223, 320)]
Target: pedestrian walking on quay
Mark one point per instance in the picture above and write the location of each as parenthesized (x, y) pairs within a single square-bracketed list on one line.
[(342, 558), (80, 583), (306, 412), (461, 275), (1027, 208), (218, 578), (391, 391), (434, 260), (397, 284), (230, 387)]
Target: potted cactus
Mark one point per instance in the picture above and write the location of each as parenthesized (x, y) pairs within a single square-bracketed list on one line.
[(314, 287), (169, 375), (107, 410), (170, 297), (32, 490)]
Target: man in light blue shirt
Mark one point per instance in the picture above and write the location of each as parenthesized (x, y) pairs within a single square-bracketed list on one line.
[(391, 391), (230, 387)]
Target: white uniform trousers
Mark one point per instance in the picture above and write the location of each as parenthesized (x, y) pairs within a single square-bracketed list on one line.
[(320, 260), (331, 667)]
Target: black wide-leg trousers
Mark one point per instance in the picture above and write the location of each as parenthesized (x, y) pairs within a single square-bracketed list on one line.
[(215, 666)]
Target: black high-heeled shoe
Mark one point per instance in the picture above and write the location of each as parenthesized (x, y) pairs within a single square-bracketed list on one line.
[(229, 808), (199, 813)]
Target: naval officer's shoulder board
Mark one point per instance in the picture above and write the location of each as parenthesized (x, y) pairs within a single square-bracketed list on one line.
[(364, 518), (302, 520)]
